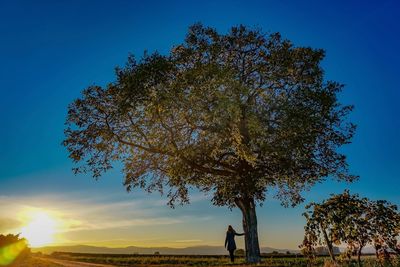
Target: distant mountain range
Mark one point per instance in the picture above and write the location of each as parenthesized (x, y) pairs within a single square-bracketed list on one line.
[(196, 250)]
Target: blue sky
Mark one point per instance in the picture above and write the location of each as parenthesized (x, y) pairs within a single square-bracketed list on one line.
[(51, 50)]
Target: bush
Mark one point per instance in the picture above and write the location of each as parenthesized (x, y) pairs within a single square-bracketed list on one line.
[(13, 249)]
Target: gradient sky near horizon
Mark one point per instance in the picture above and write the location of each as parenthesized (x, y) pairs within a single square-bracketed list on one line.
[(51, 50)]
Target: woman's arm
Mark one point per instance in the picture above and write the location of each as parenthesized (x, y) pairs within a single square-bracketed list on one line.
[(239, 234), (226, 240)]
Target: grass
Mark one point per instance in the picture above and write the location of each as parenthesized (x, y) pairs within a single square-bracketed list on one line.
[(199, 261)]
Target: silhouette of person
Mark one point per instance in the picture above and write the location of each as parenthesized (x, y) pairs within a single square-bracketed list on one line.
[(230, 244)]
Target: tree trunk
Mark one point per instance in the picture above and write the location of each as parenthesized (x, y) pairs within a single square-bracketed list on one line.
[(248, 208), (376, 252), (328, 244), (396, 249), (359, 256)]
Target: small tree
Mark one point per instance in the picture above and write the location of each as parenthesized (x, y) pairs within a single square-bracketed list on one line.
[(356, 221), (341, 218), (385, 225), (234, 114)]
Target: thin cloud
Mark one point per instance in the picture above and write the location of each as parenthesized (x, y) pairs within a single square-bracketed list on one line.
[(123, 223), (87, 215), (7, 224)]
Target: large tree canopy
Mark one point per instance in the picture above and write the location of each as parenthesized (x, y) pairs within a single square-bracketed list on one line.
[(233, 114)]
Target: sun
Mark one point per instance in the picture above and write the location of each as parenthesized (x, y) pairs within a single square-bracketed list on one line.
[(40, 229)]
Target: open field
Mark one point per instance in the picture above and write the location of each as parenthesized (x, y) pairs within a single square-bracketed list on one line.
[(51, 262), (192, 260), (66, 263)]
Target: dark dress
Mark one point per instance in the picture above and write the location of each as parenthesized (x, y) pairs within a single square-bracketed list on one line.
[(230, 240), (230, 243)]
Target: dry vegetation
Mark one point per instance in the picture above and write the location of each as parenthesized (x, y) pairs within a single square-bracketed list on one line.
[(34, 262), (215, 261)]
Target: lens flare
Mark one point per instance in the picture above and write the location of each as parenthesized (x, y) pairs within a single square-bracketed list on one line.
[(10, 252)]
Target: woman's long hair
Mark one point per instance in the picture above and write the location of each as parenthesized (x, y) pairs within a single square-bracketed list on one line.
[(230, 229)]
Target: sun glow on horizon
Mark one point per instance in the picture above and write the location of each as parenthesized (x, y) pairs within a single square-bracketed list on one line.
[(40, 228)]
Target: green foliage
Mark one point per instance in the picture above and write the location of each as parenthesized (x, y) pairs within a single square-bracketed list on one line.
[(13, 250), (9, 239), (385, 220), (355, 221), (234, 114)]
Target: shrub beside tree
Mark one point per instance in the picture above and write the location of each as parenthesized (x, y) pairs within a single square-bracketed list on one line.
[(240, 252)]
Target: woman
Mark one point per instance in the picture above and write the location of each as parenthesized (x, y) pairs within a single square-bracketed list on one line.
[(230, 244)]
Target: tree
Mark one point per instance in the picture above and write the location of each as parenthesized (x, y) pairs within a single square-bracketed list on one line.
[(233, 114), (346, 218), (385, 225), (341, 218), (323, 222)]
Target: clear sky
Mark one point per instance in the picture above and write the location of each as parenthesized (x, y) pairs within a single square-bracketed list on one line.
[(51, 50)]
